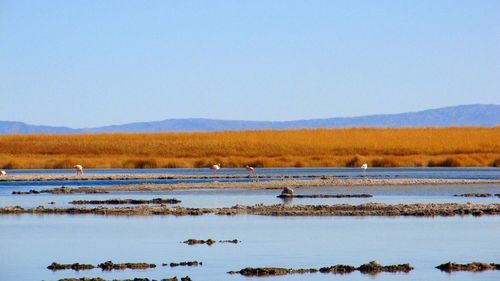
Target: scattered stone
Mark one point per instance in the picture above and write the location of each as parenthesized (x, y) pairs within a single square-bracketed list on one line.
[(209, 242), (63, 190), (271, 271), (234, 241), (135, 279), (286, 192), (373, 268), (338, 269), (32, 191), (126, 201), (74, 266), (109, 265), (369, 268), (474, 195), (473, 266), (84, 279), (327, 196), (184, 263)]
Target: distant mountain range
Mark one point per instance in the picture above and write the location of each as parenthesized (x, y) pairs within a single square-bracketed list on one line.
[(486, 115)]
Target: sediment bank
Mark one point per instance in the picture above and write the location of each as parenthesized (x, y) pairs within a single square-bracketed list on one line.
[(369, 209), (271, 184)]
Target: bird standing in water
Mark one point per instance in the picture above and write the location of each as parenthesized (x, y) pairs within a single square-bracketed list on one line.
[(78, 169)]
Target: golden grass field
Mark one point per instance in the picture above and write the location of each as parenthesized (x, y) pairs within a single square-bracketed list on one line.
[(408, 147)]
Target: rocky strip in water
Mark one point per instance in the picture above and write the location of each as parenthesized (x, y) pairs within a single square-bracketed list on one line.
[(368, 209), (74, 266), (473, 266), (109, 265), (326, 196), (63, 190), (268, 184), (183, 263), (477, 195), (369, 268), (373, 268), (126, 201), (135, 279), (209, 242), (234, 241)]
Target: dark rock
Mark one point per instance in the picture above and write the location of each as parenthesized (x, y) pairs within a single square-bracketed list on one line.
[(338, 269), (126, 201), (473, 266), (186, 279), (184, 263), (474, 195), (373, 268), (209, 242), (109, 265), (327, 196), (234, 241), (286, 192), (74, 266)]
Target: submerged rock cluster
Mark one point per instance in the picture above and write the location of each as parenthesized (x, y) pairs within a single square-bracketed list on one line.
[(369, 268), (109, 265), (187, 278), (183, 263), (326, 196), (63, 190), (477, 195), (126, 201), (209, 242), (473, 266), (74, 266)]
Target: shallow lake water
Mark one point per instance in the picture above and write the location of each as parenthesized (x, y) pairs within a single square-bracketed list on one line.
[(210, 198), (455, 173), (30, 243)]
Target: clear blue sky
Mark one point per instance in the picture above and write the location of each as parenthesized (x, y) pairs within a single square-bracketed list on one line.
[(88, 63)]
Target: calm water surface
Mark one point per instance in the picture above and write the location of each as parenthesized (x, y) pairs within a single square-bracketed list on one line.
[(459, 173), (30, 243)]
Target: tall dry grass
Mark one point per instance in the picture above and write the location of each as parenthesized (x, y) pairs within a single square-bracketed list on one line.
[(408, 147)]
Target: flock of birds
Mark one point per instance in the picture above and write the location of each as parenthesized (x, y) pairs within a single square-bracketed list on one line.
[(215, 168)]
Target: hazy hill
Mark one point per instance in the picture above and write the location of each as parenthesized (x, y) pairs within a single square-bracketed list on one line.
[(463, 115)]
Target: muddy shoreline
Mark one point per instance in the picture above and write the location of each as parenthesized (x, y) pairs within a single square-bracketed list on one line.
[(369, 209)]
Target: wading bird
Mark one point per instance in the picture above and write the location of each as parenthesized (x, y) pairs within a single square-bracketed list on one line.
[(215, 167), (78, 169), (3, 173), (364, 167), (251, 170)]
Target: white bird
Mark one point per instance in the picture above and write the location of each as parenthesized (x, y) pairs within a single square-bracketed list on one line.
[(215, 167), (78, 169), (3, 173), (251, 170), (364, 167)]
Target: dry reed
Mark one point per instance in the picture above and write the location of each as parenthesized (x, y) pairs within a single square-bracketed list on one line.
[(407, 147)]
